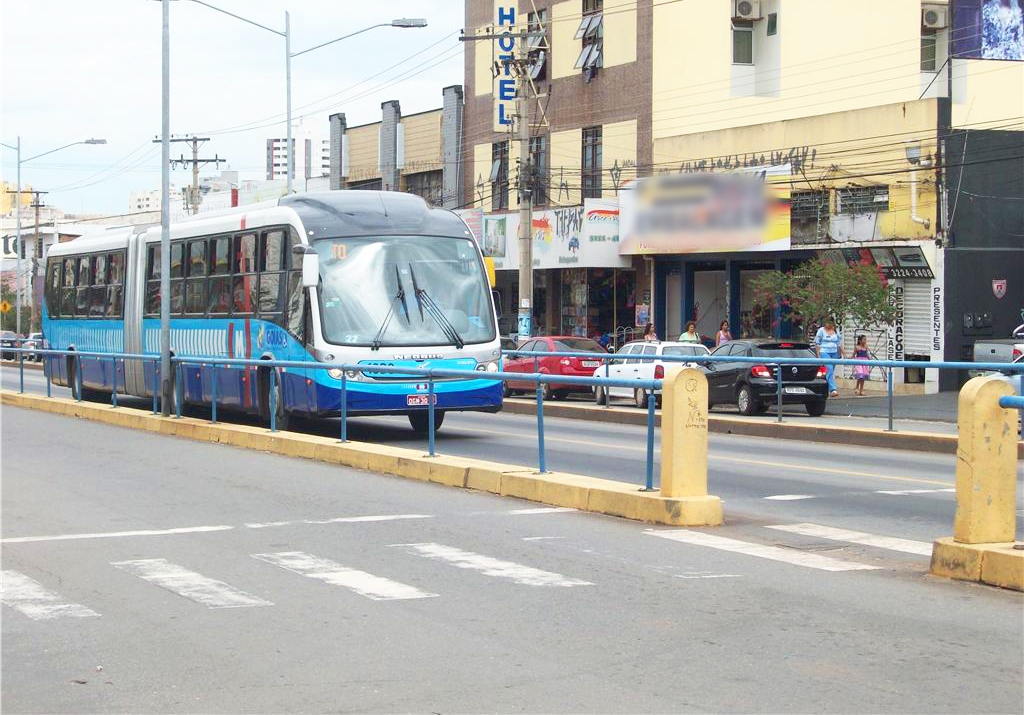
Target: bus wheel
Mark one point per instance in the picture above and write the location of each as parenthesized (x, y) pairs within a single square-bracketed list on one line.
[(283, 419), (78, 391), (420, 421)]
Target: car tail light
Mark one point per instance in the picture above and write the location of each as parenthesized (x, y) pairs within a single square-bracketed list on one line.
[(565, 361), (659, 372), (760, 371), (1016, 354), (822, 371)]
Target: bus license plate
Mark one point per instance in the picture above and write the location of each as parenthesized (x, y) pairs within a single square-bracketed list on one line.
[(419, 400), (795, 390), (591, 363)]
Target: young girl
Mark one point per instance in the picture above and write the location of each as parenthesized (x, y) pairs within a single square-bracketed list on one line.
[(724, 336), (861, 372)]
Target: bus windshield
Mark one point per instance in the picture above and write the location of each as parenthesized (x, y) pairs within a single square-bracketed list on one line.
[(403, 291)]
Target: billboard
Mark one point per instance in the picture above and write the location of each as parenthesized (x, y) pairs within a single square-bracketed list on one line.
[(706, 212), (988, 29)]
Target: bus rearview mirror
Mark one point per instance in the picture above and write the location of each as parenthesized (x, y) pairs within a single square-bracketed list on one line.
[(310, 265)]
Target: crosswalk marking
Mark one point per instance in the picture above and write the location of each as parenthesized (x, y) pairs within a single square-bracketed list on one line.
[(31, 598), (518, 573), (764, 551), (789, 497), (189, 584), (920, 548), (340, 520), (366, 584)]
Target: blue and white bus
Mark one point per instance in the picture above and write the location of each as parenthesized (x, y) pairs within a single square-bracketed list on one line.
[(400, 284)]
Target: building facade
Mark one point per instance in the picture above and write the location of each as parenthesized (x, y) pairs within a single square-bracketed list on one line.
[(312, 156)]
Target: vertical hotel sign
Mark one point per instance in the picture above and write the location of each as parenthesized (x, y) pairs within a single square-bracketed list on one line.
[(503, 89)]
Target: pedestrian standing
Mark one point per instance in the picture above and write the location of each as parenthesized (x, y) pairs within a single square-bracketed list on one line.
[(691, 335), (724, 336), (649, 334), (829, 344), (861, 372)]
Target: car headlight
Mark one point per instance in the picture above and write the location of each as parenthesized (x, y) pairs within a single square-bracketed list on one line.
[(336, 373)]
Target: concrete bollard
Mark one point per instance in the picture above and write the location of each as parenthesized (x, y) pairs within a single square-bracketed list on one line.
[(684, 445), (982, 546)]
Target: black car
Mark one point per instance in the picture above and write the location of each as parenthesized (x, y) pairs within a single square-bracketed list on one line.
[(752, 387), (8, 341)]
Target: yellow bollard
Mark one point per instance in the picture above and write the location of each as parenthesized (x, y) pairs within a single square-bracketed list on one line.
[(982, 547), (684, 445)]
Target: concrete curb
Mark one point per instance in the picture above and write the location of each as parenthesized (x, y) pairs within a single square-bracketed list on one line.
[(993, 564), (600, 496), (37, 366), (723, 424)]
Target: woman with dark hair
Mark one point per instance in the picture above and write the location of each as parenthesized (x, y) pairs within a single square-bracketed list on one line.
[(649, 334)]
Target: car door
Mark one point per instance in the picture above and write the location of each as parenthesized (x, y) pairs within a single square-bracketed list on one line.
[(736, 372), (619, 367), (645, 368), (543, 363), (721, 378), (519, 364)]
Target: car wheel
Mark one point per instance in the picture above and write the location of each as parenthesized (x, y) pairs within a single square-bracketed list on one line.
[(560, 394), (420, 421), (545, 392), (745, 401), (640, 397), (600, 397), (506, 391), (815, 408)]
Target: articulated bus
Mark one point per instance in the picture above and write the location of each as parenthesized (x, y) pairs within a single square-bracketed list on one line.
[(400, 284)]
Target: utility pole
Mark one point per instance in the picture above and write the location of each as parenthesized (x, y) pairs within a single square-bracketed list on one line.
[(196, 162), (37, 256), (525, 189), (166, 376)]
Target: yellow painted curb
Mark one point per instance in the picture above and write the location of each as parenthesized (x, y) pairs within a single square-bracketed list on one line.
[(993, 564), (602, 496)]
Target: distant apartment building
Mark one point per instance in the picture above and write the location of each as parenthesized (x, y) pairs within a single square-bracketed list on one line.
[(312, 157), (144, 200)]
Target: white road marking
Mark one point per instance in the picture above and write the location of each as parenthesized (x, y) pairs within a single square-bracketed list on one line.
[(340, 520), (524, 575), (365, 584), (116, 534), (31, 598), (905, 492), (541, 538), (189, 584), (543, 510), (920, 548), (706, 574), (789, 497), (764, 551)]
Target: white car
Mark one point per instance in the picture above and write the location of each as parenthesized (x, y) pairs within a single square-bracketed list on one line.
[(625, 367)]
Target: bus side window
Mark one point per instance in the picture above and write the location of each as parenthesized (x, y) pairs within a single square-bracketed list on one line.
[(272, 262), (153, 281), (297, 308), (67, 292), (219, 302), (53, 278), (243, 268), (195, 284), (115, 288), (83, 286), (98, 291)]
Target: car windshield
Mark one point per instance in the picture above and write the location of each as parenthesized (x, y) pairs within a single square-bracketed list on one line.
[(685, 350), (578, 345), (403, 290)]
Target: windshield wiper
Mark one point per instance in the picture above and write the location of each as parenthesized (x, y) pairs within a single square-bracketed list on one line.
[(399, 296), (435, 312)]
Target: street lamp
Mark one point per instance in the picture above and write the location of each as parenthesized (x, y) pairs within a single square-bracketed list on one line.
[(17, 218), (288, 55)]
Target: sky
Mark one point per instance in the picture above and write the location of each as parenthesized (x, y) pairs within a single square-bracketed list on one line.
[(80, 69)]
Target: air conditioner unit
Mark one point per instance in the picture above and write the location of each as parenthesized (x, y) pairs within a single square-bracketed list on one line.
[(746, 10), (933, 17)]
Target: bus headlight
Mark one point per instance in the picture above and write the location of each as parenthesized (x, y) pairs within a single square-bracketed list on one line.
[(336, 373), (353, 374), (487, 367)]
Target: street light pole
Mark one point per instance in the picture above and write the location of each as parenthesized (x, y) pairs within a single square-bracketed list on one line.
[(288, 90), (165, 217)]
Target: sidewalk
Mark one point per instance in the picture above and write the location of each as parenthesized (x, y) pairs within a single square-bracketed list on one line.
[(938, 407)]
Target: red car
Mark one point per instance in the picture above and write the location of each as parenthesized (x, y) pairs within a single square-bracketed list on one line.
[(553, 365)]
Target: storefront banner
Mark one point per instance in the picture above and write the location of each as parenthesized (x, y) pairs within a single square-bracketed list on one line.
[(573, 237), (473, 218), (706, 212)]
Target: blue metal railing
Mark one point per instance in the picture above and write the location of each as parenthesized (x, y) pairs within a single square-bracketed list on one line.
[(432, 374)]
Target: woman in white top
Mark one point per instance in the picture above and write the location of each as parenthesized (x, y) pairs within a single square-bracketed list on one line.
[(691, 335), (724, 336)]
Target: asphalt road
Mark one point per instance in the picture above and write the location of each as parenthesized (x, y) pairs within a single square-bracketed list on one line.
[(265, 584), (892, 492)]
